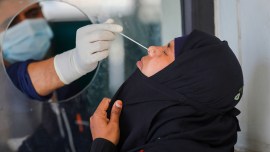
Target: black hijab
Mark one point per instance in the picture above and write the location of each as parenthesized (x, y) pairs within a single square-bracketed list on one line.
[(189, 105)]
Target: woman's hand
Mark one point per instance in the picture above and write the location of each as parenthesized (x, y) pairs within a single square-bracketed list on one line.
[(101, 126)]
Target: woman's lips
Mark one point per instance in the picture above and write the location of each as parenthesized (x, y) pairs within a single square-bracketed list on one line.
[(139, 64)]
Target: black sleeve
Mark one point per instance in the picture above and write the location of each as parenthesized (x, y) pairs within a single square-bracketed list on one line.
[(102, 145)]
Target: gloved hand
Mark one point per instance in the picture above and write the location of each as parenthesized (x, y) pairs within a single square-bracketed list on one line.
[(92, 45)]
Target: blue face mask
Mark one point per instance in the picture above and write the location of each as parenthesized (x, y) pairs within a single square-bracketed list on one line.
[(29, 39)]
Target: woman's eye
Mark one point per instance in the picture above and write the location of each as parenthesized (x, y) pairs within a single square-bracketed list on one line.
[(165, 52)]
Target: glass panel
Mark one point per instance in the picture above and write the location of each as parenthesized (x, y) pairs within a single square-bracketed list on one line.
[(30, 37), (64, 126)]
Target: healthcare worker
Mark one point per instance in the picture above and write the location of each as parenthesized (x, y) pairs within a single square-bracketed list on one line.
[(39, 78), (29, 38)]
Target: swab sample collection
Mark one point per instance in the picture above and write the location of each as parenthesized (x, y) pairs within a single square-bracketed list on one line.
[(133, 41)]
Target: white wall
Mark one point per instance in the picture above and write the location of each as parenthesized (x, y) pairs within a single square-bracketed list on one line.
[(171, 20), (246, 26)]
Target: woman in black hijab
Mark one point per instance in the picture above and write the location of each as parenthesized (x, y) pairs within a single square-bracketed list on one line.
[(182, 97)]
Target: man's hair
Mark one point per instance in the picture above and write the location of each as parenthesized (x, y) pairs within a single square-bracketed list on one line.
[(5, 23)]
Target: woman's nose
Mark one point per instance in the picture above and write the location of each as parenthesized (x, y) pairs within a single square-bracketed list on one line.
[(155, 50)]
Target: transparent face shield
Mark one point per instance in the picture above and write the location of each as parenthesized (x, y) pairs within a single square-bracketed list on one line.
[(22, 117)]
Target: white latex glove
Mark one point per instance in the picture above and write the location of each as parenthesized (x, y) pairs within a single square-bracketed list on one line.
[(92, 45)]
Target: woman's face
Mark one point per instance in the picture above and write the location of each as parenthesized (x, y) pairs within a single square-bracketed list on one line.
[(157, 59)]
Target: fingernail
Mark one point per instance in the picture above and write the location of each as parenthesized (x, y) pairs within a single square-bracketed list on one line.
[(109, 20), (108, 99), (119, 28), (118, 104)]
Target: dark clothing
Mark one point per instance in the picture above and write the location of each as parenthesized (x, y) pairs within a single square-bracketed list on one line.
[(102, 145), (178, 44), (50, 136), (188, 106), (47, 136)]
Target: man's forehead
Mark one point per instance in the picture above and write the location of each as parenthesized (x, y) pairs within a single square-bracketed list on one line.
[(34, 6), (9, 8)]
